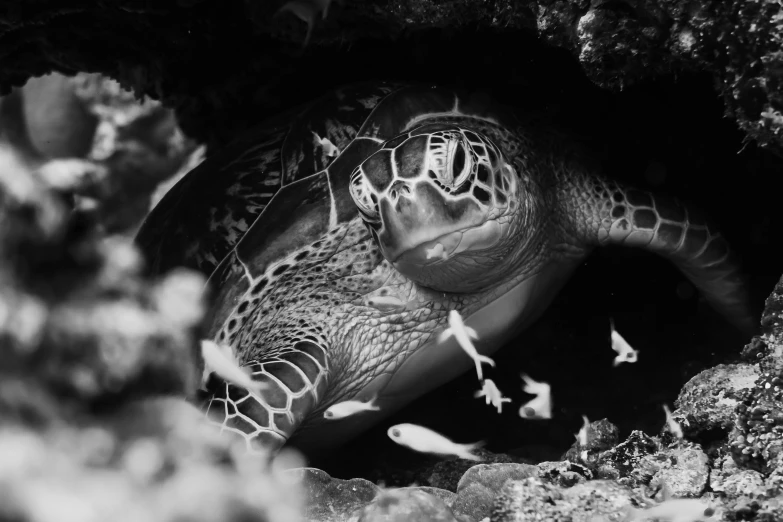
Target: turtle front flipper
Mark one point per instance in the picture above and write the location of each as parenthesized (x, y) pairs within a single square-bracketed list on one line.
[(295, 379), (667, 226)]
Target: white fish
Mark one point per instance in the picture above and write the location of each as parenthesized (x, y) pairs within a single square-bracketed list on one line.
[(306, 11), (463, 334), (581, 437), (624, 351), (674, 510), (424, 440), (222, 361), (492, 395), (392, 303), (330, 149), (674, 426), (348, 408), (540, 407), (437, 251)]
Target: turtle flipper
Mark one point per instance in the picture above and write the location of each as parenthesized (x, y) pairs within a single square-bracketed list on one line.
[(677, 231), (295, 380)]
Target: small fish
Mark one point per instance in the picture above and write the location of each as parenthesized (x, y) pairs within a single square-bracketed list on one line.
[(540, 407), (348, 408), (392, 303), (674, 426), (306, 11), (424, 440), (330, 149), (222, 361), (581, 437), (463, 334), (437, 251), (674, 510), (624, 351), (492, 395)]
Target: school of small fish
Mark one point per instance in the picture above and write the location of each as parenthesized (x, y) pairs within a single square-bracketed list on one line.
[(221, 360)]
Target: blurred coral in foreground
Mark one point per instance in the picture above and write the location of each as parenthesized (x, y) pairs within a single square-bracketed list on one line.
[(98, 143), (95, 363)]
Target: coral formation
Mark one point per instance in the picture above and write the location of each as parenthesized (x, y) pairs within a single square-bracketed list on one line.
[(95, 362), (205, 58)]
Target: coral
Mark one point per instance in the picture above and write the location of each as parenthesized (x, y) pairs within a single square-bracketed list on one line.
[(624, 460), (206, 59), (706, 404), (756, 441), (96, 362), (96, 143)]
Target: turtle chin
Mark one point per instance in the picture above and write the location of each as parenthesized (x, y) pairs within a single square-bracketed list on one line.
[(459, 261)]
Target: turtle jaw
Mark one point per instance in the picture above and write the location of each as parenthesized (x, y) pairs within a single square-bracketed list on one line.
[(446, 246), (450, 261)]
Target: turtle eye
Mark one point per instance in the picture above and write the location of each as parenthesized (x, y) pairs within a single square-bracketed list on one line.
[(453, 162), (459, 163), (362, 196)]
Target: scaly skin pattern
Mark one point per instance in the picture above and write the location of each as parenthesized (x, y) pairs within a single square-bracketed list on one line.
[(417, 168), (662, 224)]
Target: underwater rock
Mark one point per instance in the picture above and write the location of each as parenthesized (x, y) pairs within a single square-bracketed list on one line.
[(408, 505), (447, 474), (707, 403), (533, 499), (477, 488), (58, 123), (332, 499), (601, 436), (756, 441), (684, 471), (727, 478), (446, 496), (626, 461), (563, 473)]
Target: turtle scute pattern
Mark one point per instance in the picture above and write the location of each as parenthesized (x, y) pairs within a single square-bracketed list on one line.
[(280, 347), (666, 225)]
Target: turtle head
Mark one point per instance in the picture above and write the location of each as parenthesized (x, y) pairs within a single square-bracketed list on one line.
[(440, 201)]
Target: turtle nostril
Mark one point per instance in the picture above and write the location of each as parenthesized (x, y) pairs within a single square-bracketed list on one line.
[(398, 189)]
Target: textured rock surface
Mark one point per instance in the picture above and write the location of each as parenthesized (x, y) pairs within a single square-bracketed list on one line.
[(196, 55), (757, 439), (707, 402), (407, 505), (478, 486), (331, 499), (532, 499)]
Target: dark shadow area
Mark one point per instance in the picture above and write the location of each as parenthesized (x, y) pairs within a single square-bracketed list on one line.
[(669, 135)]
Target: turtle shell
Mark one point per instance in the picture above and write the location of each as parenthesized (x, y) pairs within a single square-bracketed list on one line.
[(207, 212), (281, 178)]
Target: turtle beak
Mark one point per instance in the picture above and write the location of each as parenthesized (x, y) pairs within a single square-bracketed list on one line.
[(421, 226)]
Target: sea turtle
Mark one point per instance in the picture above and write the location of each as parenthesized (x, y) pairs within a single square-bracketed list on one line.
[(339, 236)]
